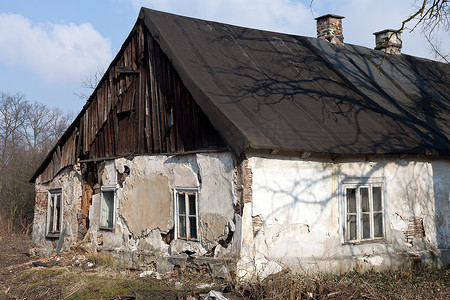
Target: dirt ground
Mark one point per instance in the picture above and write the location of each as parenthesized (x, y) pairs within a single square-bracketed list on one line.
[(75, 275), (14, 250)]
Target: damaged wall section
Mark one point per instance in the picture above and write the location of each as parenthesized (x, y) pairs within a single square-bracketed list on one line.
[(146, 216), (66, 184)]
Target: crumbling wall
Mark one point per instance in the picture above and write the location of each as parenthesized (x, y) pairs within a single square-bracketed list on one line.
[(69, 181), (143, 234), (297, 215)]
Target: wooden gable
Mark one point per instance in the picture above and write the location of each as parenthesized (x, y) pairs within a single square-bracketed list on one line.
[(140, 106)]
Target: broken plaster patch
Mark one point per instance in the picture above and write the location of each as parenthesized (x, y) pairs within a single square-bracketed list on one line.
[(373, 260), (182, 171), (216, 171), (108, 173), (214, 227), (266, 267), (220, 251), (193, 249), (398, 223), (153, 241), (146, 203)]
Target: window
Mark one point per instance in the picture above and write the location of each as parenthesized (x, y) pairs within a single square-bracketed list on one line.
[(54, 212), (107, 208), (363, 205), (186, 214)]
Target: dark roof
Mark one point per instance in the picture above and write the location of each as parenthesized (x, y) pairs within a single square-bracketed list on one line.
[(267, 90)]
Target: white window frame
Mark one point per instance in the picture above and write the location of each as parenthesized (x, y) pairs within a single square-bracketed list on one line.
[(103, 190), (176, 192), (55, 230), (358, 183)]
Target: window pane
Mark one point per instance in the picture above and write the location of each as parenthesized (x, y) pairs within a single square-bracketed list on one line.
[(106, 219), (366, 226), (351, 227), (51, 212), (376, 191), (58, 213), (364, 193), (181, 204), (378, 224), (351, 200), (182, 226), (57, 208), (193, 227), (58, 219), (192, 210)]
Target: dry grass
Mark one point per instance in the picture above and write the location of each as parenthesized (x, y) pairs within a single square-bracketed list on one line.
[(417, 283), (67, 283), (73, 278)]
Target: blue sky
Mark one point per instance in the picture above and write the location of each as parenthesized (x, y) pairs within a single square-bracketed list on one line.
[(47, 47)]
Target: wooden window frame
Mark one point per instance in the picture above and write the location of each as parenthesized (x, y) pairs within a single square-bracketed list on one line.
[(108, 189), (358, 185), (51, 211), (187, 215)]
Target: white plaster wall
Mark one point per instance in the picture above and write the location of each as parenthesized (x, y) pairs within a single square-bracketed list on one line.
[(299, 201)]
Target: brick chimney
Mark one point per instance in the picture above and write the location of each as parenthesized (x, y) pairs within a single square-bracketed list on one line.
[(329, 27), (388, 40)]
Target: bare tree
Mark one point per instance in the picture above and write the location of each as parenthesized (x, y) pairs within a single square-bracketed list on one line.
[(13, 112), (43, 126), (27, 133), (429, 17), (90, 82)]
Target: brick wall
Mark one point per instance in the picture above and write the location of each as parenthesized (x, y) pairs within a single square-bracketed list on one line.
[(329, 27)]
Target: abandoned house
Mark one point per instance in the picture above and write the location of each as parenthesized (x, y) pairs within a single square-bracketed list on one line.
[(247, 151)]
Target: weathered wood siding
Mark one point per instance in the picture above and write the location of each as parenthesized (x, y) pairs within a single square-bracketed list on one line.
[(145, 110)]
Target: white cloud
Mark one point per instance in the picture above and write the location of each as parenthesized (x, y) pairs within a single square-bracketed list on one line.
[(276, 15), (56, 52)]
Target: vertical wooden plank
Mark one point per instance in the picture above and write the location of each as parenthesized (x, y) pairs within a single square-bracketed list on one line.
[(141, 105), (160, 103), (116, 132), (148, 95), (170, 132), (177, 116), (154, 105)]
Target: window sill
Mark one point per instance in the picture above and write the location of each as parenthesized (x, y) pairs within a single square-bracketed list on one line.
[(379, 241), (187, 240), (53, 235), (106, 228)]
